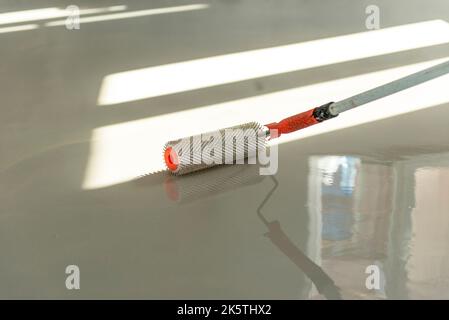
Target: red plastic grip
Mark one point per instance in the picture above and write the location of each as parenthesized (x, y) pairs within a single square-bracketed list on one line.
[(294, 123)]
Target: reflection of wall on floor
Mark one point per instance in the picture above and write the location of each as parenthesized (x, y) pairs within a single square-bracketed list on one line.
[(354, 201), (429, 261)]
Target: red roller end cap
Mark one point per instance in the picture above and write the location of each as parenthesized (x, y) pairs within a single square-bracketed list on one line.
[(171, 159)]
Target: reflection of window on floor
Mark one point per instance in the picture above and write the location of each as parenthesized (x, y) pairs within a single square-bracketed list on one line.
[(337, 187)]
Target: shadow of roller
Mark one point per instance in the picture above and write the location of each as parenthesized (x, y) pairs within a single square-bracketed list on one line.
[(203, 184), (324, 284)]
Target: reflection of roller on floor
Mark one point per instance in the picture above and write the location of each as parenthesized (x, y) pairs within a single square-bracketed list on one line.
[(324, 284), (203, 184)]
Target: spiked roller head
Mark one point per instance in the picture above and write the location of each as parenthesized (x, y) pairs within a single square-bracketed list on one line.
[(226, 146)]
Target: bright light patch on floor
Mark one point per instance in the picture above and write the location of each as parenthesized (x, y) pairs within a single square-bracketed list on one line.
[(49, 13), (132, 14), (124, 151), (195, 74), (19, 28)]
